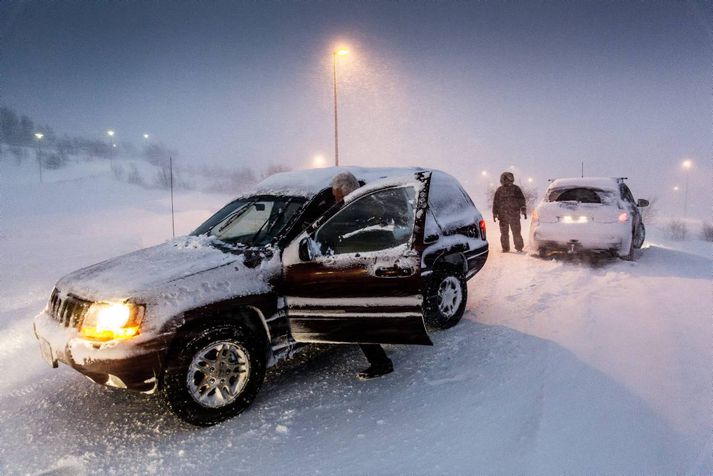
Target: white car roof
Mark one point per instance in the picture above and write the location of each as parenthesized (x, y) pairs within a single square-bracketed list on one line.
[(603, 183), (307, 183)]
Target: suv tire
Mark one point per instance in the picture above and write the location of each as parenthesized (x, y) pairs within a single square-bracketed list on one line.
[(445, 299), (631, 255), (234, 371)]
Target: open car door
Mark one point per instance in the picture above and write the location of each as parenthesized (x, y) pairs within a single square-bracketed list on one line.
[(356, 278)]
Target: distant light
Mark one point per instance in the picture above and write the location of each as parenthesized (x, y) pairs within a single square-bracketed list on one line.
[(146, 136), (110, 133), (113, 145), (39, 135), (319, 161), (675, 188), (687, 164), (529, 179), (341, 52), (484, 173)]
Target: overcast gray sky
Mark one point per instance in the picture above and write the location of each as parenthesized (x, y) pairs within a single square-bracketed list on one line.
[(464, 86)]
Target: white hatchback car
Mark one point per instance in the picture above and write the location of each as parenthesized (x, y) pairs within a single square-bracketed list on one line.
[(594, 214)]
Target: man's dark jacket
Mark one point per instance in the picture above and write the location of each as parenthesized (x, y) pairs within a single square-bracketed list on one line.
[(509, 200)]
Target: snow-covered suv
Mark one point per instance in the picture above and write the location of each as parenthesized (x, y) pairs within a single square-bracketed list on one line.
[(202, 316), (595, 214)]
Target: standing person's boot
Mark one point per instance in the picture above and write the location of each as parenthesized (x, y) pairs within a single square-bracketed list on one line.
[(379, 363)]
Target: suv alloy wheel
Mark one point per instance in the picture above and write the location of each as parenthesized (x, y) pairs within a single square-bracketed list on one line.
[(446, 295), (213, 373)]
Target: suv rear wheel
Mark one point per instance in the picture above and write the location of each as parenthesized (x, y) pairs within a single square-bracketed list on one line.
[(446, 295), (213, 373)]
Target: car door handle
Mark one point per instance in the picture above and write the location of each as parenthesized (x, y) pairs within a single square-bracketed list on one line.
[(393, 272)]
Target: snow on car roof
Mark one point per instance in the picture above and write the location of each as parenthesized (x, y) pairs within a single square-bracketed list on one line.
[(603, 183), (309, 182)]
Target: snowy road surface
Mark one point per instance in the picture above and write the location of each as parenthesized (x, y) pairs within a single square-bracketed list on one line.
[(557, 367)]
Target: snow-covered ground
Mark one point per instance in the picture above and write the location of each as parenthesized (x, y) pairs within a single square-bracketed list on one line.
[(558, 366)]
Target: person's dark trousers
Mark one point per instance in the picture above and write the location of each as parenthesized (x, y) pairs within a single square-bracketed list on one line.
[(514, 224), (375, 354)]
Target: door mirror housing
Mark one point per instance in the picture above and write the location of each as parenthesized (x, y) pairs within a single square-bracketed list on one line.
[(642, 203), (305, 250), (430, 239)]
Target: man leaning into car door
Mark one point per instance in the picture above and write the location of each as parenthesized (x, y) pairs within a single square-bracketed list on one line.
[(379, 363), (508, 203)]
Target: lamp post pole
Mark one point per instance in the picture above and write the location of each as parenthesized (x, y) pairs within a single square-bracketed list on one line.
[(336, 123), (336, 53), (39, 136), (687, 167), (112, 145)]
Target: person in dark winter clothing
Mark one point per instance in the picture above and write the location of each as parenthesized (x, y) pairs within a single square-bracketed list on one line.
[(379, 363), (508, 204)]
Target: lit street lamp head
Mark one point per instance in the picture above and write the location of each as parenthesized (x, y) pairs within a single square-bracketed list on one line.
[(687, 164), (39, 135), (110, 133), (341, 52), (146, 136)]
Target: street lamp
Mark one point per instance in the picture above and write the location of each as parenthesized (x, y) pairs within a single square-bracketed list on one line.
[(687, 164), (39, 136), (318, 161), (110, 133), (146, 136), (335, 53)]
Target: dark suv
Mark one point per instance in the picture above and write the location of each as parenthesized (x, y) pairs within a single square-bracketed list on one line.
[(201, 317)]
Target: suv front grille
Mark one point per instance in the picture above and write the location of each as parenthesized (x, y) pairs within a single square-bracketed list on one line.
[(68, 310)]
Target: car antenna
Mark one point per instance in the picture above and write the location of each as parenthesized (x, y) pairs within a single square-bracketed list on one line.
[(582, 169), (173, 220)]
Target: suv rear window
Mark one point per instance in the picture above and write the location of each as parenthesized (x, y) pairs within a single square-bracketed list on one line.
[(579, 194)]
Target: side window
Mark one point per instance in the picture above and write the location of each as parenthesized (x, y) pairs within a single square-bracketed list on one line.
[(377, 221), (451, 206)]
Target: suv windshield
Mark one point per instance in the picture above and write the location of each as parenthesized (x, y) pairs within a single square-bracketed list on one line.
[(580, 194), (253, 221)]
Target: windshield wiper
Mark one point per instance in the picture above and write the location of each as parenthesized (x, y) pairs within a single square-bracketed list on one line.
[(270, 221), (237, 214)]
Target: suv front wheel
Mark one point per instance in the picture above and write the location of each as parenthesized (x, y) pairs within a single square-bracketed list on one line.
[(213, 373), (446, 295)]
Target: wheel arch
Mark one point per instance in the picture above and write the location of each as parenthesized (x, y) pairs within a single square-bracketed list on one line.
[(454, 260), (251, 316)]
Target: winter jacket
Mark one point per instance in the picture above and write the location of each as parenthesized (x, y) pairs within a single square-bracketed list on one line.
[(509, 200)]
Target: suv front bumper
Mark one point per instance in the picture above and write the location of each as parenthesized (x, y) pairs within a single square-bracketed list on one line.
[(134, 363)]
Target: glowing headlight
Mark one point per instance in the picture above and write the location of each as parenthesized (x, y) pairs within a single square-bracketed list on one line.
[(107, 321)]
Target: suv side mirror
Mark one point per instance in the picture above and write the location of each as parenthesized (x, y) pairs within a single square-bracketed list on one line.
[(305, 250), (430, 239), (642, 203)]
